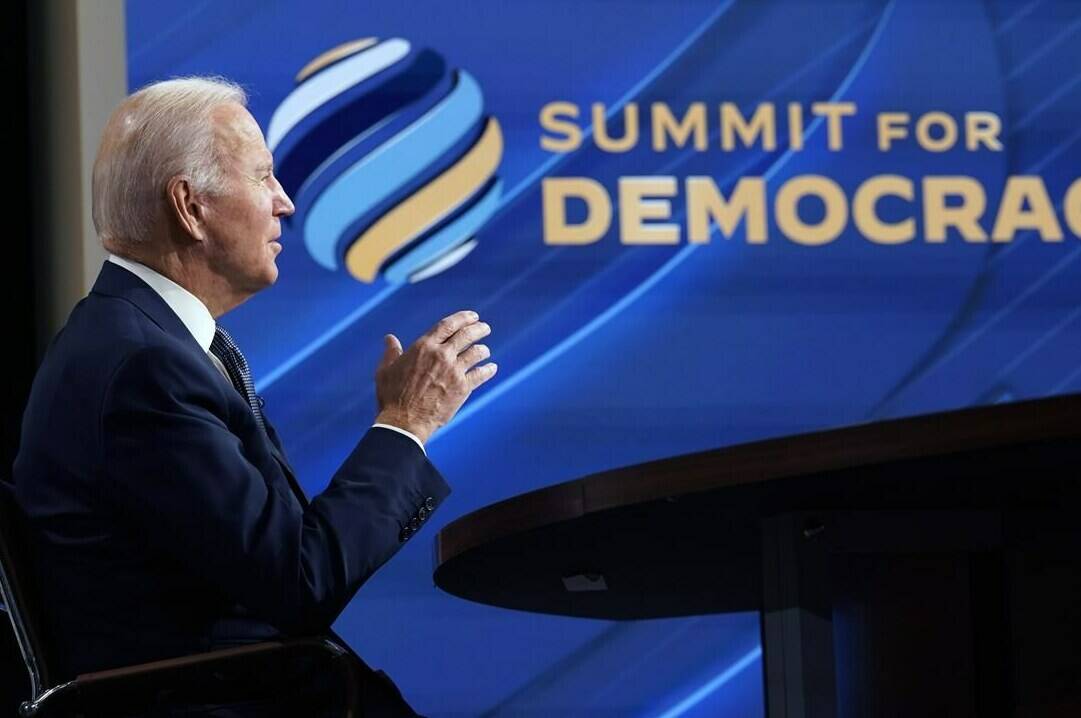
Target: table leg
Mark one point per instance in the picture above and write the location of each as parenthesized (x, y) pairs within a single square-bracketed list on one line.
[(797, 628)]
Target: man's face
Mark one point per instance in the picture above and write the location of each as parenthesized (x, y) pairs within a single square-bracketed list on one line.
[(243, 222)]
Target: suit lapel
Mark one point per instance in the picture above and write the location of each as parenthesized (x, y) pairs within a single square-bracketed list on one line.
[(279, 454), (115, 281)]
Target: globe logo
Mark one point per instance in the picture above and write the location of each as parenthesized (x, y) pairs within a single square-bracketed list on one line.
[(389, 158)]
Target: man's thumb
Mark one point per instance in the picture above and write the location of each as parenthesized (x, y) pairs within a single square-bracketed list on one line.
[(392, 351)]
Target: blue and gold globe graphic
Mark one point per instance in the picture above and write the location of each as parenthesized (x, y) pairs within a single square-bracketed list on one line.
[(389, 158)]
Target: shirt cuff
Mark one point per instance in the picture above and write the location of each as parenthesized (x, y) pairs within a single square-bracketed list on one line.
[(403, 432)]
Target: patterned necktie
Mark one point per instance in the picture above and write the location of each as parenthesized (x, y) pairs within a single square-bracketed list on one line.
[(226, 350)]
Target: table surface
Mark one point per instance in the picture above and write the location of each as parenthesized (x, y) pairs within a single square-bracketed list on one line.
[(682, 536)]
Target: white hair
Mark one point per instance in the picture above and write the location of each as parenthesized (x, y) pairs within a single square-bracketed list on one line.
[(162, 131)]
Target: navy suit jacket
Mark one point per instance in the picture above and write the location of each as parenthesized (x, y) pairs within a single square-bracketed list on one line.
[(164, 521)]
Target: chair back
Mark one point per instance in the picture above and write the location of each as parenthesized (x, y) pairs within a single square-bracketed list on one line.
[(16, 589)]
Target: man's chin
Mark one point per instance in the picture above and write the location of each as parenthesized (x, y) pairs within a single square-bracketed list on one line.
[(265, 279)]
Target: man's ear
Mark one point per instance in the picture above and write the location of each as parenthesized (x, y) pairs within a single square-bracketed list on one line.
[(187, 207)]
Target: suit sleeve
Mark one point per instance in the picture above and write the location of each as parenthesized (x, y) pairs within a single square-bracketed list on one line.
[(174, 469)]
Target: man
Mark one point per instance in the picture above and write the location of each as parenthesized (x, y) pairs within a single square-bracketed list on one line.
[(166, 518)]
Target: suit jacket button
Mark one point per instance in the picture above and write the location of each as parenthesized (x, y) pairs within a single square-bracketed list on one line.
[(414, 523), (423, 513), (406, 532), (429, 503)]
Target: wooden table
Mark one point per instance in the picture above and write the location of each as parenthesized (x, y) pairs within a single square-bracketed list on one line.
[(916, 567)]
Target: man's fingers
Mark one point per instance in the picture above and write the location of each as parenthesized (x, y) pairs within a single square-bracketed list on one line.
[(474, 354), (467, 335), (391, 352), (481, 374), (447, 326)]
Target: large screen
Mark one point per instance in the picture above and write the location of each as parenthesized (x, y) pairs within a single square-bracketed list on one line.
[(690, 224)]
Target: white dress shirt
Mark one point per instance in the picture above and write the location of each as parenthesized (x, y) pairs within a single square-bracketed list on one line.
[(197, 318)]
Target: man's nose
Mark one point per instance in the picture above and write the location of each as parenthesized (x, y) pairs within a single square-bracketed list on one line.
[(283, 206)]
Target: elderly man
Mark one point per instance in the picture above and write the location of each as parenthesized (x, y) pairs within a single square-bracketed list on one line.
[(165, 516)]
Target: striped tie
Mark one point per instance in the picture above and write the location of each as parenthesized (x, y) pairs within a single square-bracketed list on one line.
[(226, 350)]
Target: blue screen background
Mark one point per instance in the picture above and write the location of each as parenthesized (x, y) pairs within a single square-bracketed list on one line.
[(611, 354)]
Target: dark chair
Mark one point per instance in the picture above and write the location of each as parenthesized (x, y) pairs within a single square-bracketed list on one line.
[(223, 676)]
